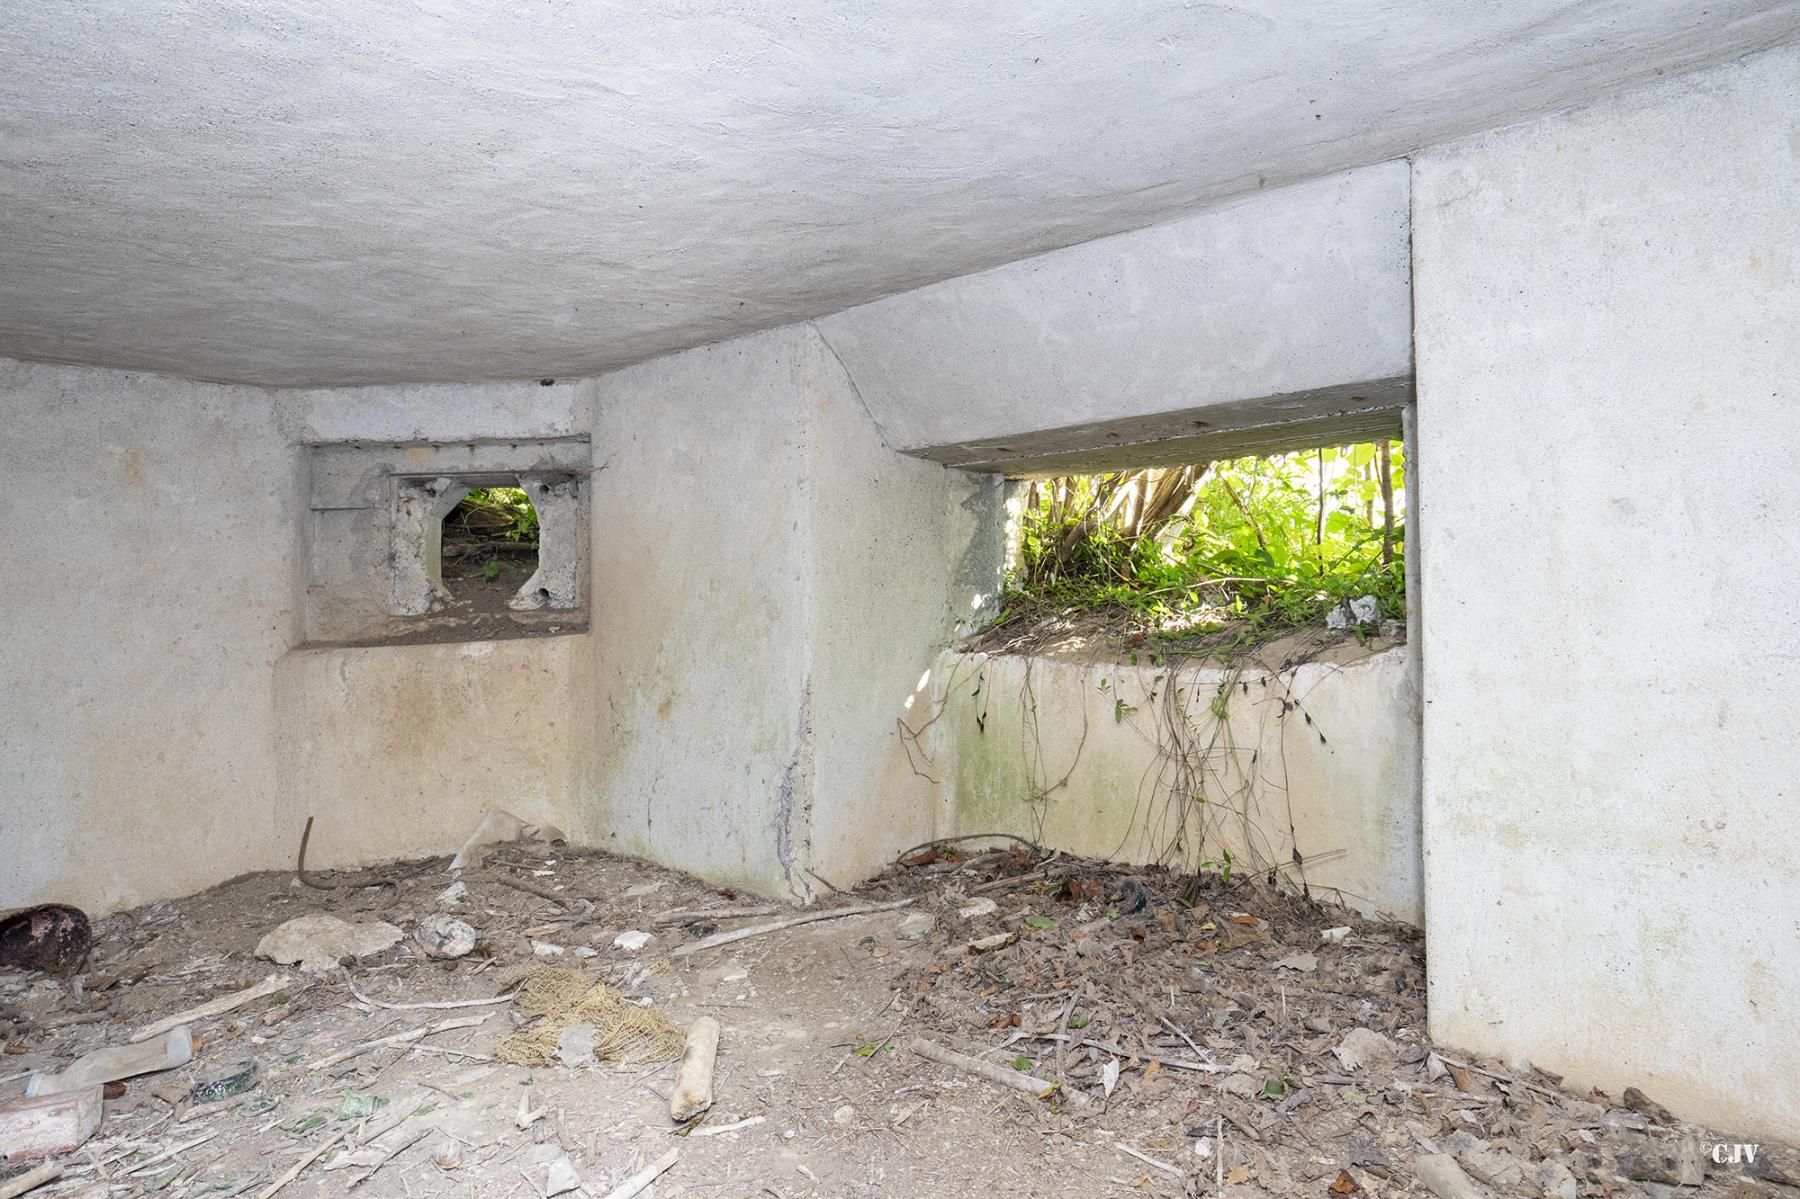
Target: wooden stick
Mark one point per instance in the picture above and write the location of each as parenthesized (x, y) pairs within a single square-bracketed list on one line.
[(998, 1075), (518, 884), (693, 1091), (1165, 1167), (295, 1169), (1002, 883), (400, 1038), (398, 1150), (694, 915), (411, 1007), (644, 1177), (1499, 1077), (713, 1130), (1219, 1154), (1062, 1055), (166, 1154), (772, 926), (31, 1180), (1173, 1062), (217, 1007), (1176, 1029)]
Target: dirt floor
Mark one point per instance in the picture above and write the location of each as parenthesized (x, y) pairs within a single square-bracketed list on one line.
[(1214, 1040)]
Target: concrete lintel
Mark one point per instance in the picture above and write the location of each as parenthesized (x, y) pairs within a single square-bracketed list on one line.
[(1274, 424), (1290, 292)]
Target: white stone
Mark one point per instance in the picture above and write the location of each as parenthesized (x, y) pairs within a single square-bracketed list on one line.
[(632, 941), (1363, 1049), (317, 942), (915, 926), (442, 936), (575, 1046), (561, 1177)]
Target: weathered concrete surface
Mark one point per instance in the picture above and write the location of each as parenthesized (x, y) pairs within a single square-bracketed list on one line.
[(560, 581), (767, 595), (1291, 305), (396, 749), (903, 555), (149, 528), (153, 534), (1609, 433), (329, 191), (697, 696), (1082, 757)]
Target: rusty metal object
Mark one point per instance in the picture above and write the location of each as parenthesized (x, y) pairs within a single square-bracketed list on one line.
[(51, 937)]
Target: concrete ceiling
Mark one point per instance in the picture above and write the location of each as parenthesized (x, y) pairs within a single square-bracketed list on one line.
[(347, 191)]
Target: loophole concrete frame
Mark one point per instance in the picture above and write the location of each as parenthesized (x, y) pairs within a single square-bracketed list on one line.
[(375, 541)]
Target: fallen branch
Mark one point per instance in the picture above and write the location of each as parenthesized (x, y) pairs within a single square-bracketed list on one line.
[(400, 1038), (166, 1154), (1165, 1167), (398, 1150), (923, 845), (1176, 1029), (410, 1007), (644, 1177), (694, 915), (294, 1170), (1000, 884), (998, 1075), (217, 1007), (1499, 1077), (772, 926), (1062, 1056), (1172, 1062), (31, 1180), (518, 884), (713, 1130), (693, 1091)]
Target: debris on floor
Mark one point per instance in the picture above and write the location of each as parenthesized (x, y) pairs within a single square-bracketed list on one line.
[(50, 937), (1002, 1023)]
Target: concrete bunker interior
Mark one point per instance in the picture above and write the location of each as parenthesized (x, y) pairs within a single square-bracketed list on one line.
[(773, 307)]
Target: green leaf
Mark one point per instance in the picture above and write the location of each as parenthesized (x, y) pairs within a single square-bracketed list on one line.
[(1040, 922), (1021, 1062), (867, 1049)]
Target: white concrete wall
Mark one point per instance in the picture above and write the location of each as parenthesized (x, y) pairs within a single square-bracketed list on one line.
[(156, 733), (148, 528), (1609, 458), (770, 584), (904, 555), (395, 749), (697, 684), (1038, 747)]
